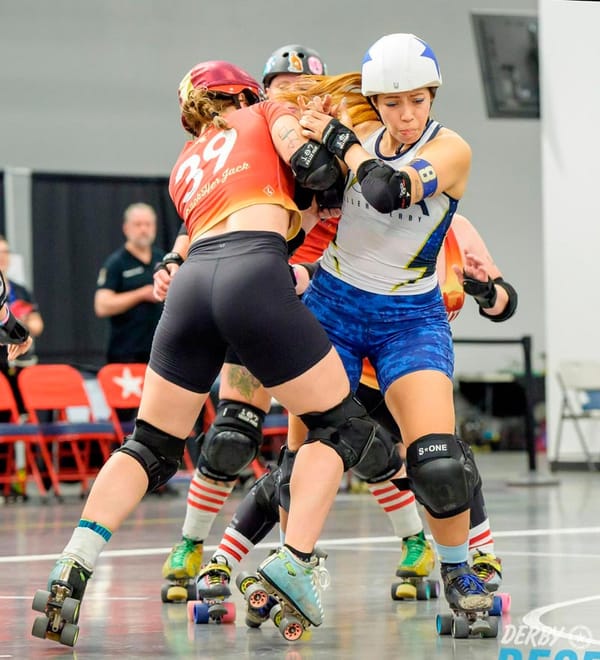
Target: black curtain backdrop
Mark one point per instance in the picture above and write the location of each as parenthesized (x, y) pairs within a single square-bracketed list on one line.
[(76, 223)]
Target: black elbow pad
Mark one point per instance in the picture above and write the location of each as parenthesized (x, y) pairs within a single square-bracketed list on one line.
[(385, 188), (13, 331), (314, 167)]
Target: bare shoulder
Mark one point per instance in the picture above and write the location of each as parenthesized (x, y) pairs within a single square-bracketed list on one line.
[(366, 129), (448, 136)]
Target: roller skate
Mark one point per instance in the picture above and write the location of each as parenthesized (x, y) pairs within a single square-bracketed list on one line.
[(212, 590), (488, 568), (61, 602), (470, 603), (296, 586), (416, 564), (249, 586), (180, 569)]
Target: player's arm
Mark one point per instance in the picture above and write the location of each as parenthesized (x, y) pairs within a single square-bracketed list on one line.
[(166, 269), (12, 331), (496, 298)]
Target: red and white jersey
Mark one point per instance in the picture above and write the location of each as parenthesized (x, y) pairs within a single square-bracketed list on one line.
[(223, 171)]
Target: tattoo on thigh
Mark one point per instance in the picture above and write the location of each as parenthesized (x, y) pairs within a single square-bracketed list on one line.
[(243, 381)]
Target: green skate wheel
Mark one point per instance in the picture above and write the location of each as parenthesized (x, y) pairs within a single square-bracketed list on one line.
[(69, 634), (460, 627), (443, 623), (40, 627), (40, 600)]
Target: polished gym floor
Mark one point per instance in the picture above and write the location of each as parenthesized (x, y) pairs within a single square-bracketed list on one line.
[(547, 535)]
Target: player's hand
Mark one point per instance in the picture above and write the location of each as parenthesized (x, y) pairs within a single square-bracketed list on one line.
[(162, 281), (14, 350), (474, 267)]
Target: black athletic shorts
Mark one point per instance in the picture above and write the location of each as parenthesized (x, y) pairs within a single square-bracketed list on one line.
[(235, 290)]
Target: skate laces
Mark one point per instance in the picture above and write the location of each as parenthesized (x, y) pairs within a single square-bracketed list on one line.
[(321, 577), (467, 583), (182, 549), (414, 546), (218, 571), (486, 566)]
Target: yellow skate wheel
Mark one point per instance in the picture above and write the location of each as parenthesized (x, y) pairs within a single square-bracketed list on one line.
[(177, 594), (404, 591)]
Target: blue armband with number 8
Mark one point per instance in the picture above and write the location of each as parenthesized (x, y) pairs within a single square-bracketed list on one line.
[(427, 175)]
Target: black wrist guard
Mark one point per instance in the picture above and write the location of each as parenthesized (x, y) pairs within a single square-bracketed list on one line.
[(511, 305), (169, 258), (484, 292), (13, 331), (338, 138)]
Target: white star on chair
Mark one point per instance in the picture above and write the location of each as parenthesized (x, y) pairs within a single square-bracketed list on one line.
[(132, 385)]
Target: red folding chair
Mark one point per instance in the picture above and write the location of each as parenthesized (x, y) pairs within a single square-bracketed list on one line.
[(121, 385), (13, 431), (59, 389)]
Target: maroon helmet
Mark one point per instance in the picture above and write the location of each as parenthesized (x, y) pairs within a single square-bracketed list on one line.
[(220, 76)]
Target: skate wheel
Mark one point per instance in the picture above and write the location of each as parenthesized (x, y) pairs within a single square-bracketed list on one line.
[(493, 631), (256, 596), (252, 623), (460, 627), (176, 594), (40, 627), (40, 600), (201, 613), (192, 592), (190, 609), (423, 591), (69, 610), (506, 601), (275, 614), (229, 616), (69, 634), (244, 579), (496, 609), (404, 591), (163, 593), (443, 623), (434, 588), (291, 629)]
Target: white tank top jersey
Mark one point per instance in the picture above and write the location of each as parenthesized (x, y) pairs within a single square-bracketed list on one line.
[(390, 253)]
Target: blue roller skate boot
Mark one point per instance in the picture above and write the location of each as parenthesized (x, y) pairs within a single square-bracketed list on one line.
[(464, 589), (296, 584), (61, 602)]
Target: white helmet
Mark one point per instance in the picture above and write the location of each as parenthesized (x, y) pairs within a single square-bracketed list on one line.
[(399, 63)]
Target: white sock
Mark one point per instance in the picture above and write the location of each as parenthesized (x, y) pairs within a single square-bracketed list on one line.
[(480, 538), (85, 545), (204, 501), (401, 507), (234, 547)]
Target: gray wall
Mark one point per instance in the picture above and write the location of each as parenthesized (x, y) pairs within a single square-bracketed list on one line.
[(90, 87)]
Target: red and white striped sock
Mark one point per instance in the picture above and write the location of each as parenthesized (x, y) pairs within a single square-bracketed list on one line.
[(401, 507), (480, 538), (204, 501), (234, 547)]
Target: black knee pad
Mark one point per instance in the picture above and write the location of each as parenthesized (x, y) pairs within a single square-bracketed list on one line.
[(442, 474), (346, 428), (265, 492), (232, 442), (159, 453), (286, 463), (382, 459)]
